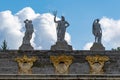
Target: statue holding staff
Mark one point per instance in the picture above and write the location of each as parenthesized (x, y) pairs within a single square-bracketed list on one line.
[(61, 27)]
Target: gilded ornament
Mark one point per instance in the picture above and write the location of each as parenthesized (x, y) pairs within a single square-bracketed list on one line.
[(97, 63), (61, 63), (25, 64)]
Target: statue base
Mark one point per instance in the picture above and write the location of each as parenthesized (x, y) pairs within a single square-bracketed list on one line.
[(97, 47), (61, 45), (26, 47)]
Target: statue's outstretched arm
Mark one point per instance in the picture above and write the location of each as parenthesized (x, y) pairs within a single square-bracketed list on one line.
[(55, 13), (67, 24), (55, 19), (100, 30)]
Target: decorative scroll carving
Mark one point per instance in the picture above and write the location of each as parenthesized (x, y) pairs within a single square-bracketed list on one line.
[(25, 63), (97, 63), (61, 63)]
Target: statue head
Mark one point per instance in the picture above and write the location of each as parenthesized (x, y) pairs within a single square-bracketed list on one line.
[(97, 20), (30, 21), (26, 21), (62, 18)]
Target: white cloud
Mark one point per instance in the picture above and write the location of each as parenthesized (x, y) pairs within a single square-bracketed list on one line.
[(27, 13), (12, 28), (111, 33), (87, 46)]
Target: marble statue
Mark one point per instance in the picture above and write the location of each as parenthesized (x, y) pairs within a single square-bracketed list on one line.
[(29, 31), (61, 27), (61, 43), (28, 35), (97, 31)]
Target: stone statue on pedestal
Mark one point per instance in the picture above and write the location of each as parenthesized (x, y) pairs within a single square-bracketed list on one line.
[(28, 35), (97, 32), (61, 44), (61, 27)]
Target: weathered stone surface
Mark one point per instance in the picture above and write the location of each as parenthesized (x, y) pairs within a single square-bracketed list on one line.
[(60, 77), (44, 66), (61, 45), (26, 47), (43, 70), (79, 68), (97, 47)]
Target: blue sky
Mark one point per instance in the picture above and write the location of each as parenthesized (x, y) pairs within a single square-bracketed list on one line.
[(79, 13)]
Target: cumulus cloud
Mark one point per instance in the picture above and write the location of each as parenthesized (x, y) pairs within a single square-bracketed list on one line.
[(12, 28), (111, 33), (87, 46)]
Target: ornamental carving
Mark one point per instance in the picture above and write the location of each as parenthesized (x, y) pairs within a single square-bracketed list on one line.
[(25, 64), (61, 63), (97, 63)]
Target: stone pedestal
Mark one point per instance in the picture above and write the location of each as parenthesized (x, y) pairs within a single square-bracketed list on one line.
[(61, 45), (26, 47), (97, 47)]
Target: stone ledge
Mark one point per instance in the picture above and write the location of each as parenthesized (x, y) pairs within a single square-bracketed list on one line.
[(70, 76), (61, 45), (97, 47)]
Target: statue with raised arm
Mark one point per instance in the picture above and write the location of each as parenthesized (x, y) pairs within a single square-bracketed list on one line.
[(61, 44), (28, 35), (61, 27), (97, 31)]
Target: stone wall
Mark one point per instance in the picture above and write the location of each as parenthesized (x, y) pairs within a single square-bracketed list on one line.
[(44, 66)]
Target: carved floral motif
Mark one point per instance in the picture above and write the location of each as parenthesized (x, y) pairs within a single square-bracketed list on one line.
[(61, 63), (25, 63), (97, 63)]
